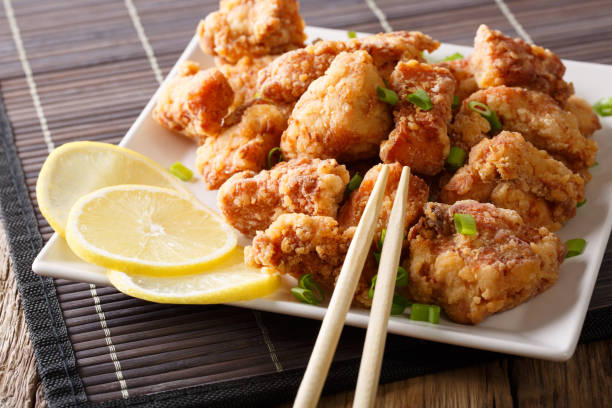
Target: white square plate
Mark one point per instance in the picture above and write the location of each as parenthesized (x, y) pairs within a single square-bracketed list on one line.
[(546, 327)]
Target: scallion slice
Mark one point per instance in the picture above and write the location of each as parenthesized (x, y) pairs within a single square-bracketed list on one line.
[(372, 286), (580, 204), (456, 157), (455, 104), (304, 295), (306, 281), (271, 161), (603, 107), (354, 183), (377, 257), (454, 56), (575, 247), (465, 224), (387, 95), (420, 98), (486, 113), (257, 95), (352, 34), (399, 304), (595, 165), (425, 313), (180, 171), (402, 277), (381, 241)]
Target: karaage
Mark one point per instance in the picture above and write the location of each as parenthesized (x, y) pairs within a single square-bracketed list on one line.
[(473, 276), (251, 201)]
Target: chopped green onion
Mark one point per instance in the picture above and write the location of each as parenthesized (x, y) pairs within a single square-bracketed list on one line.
[(595, 165), (304, 295), (486, 113), (580, 204), (454, 56), (603, 107), (387, 95), (399, 305), (575, 247), (421, 99), (271, 153), (425, 313), (257, 95), (456, 157), (180, 171), (381, 241), (352, 34), (465, 224), (456, 102), (372, 285), (307, 282), (402, 276), (354, 183), (377, 257)]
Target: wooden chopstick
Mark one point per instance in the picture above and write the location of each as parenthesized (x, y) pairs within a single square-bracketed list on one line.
[(376, 335), (314, 378)]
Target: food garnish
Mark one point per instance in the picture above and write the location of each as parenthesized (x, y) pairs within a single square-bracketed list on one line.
[(455, 104), (147, 230), (603, 107), (354, 183), (486, 113), (421, 99), (580, 204), (456, 157), (181, 171), (352, 34), (575, 247), (425, 313), (454, 56), (465, 224), (387, 95), (308, 290), (271, 160), (229, 281)]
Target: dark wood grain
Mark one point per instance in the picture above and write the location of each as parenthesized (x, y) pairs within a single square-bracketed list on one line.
[(93, 79)]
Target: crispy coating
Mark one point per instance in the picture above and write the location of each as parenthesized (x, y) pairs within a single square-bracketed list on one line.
[(501, 60), (250, 202), (243, 146), (588, 122), (340, 115), (252, 28), (351, 211), (464, 77), (194, 102), (288, 77), (511, 173), (420, 138), (297, 244), (533, 114), (473, 277), (242, 77)]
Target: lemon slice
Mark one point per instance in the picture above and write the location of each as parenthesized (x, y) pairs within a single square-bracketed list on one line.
[(147, 230), (228, 281), (75, 169)]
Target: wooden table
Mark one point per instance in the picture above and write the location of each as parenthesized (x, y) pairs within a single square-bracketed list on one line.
[(577, 30)]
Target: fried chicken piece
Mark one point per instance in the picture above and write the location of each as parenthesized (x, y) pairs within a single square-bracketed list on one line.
[(588, 122), (194, 102), (340, 115), (288, 77), (535, 115), (243, 146), (252, 28), (501, 60), (251, 201), (351, 211), (511, 173), (464, 77), (297, 244), (474, 276), (420, 138), (242, 77)]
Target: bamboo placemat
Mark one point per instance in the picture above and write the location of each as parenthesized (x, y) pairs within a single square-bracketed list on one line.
[(83, 70)]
